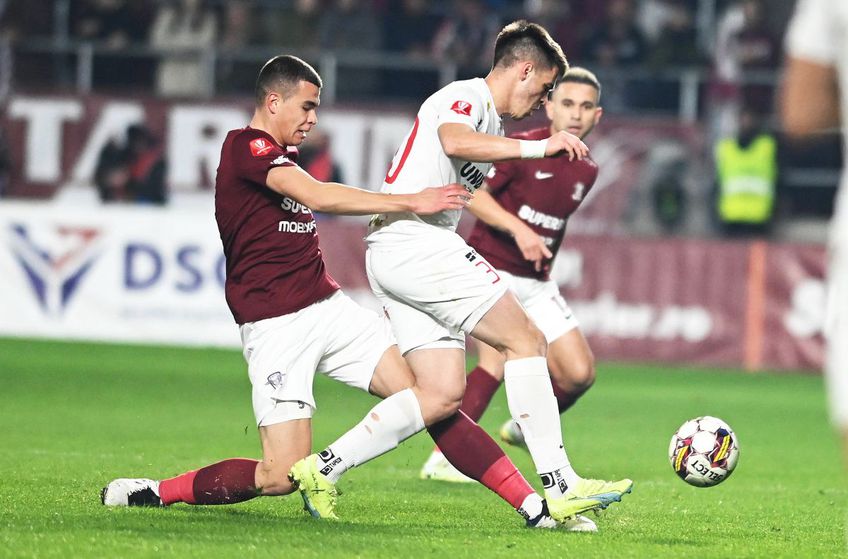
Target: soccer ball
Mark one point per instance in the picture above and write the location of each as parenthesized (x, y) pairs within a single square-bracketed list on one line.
[(704, 451)]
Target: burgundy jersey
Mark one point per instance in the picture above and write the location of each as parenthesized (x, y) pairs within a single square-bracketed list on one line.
[(543, 193), (274, 263)]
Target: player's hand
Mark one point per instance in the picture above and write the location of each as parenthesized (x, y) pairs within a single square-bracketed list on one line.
[(565, 143), (437, 199), (532, 247)]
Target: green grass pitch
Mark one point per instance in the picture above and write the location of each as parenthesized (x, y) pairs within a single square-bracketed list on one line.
[(75, 415)]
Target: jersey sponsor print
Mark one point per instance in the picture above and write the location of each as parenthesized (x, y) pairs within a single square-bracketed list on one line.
[(274, 263), (543, 193)]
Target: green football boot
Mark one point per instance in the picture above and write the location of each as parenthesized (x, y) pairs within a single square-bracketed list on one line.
[(586, 495), (319, 494)]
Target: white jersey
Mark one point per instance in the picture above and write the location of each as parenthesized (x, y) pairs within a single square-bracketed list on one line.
[(421, 162), (819, 33)]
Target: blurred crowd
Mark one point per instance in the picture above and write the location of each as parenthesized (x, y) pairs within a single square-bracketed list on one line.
[(132, 169), (642, 50), (730, 37)]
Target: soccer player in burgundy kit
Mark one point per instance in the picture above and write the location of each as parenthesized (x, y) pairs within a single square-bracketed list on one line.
[(294, 322), (522, 214)]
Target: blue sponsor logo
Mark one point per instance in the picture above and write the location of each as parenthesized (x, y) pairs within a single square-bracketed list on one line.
[(55, 272), (187, 270), (56, 261)]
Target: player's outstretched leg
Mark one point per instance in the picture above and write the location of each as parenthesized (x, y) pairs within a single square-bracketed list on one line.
[(226, 482)]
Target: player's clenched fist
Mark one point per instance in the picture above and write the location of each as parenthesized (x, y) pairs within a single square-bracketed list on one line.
[(450, 197), (564, 142)]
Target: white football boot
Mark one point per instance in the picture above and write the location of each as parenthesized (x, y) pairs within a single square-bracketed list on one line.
[(576, 523), (126, 492)]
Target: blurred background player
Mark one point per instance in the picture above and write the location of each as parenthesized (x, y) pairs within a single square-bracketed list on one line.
[(814, 97), (294, 321), (522, 212), (436, 289)]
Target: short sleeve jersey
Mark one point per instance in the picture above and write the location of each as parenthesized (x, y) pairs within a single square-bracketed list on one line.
[(818, 33), (420, 162), (274, 263), (543, 193)]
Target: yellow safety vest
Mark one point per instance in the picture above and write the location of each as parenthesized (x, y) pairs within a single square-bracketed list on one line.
[(747, 178)]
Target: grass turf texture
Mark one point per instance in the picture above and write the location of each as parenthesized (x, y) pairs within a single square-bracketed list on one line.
[(76, 415)]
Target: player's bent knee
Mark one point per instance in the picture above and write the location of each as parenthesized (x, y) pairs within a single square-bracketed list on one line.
[(533, 343), (585, 376), (448, 406), (578, 378), (529, 342), (436, 407), (452, 406), (391, 375)]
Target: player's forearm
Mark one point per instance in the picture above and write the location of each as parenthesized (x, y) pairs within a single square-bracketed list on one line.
[(333, 197), (469, 145), (489, 211), (338, 198)]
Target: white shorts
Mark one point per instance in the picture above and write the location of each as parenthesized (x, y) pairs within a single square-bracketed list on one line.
[(544, 304), (434, 289), (334, 336), (836, 333)]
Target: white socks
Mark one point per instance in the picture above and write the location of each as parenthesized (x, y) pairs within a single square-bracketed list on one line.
[(533, 406), (390, 422), (531, 507)]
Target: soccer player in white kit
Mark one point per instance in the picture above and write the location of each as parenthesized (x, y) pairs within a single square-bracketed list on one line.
[(435, 288), (522, 215), (815, 93)]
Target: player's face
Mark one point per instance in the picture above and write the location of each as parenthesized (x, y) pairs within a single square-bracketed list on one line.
[(573, 107), (295, 115), (532, 91)]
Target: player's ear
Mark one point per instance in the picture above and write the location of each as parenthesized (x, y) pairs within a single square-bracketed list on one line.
[(599, 112), (272, 102), (526, 70)]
